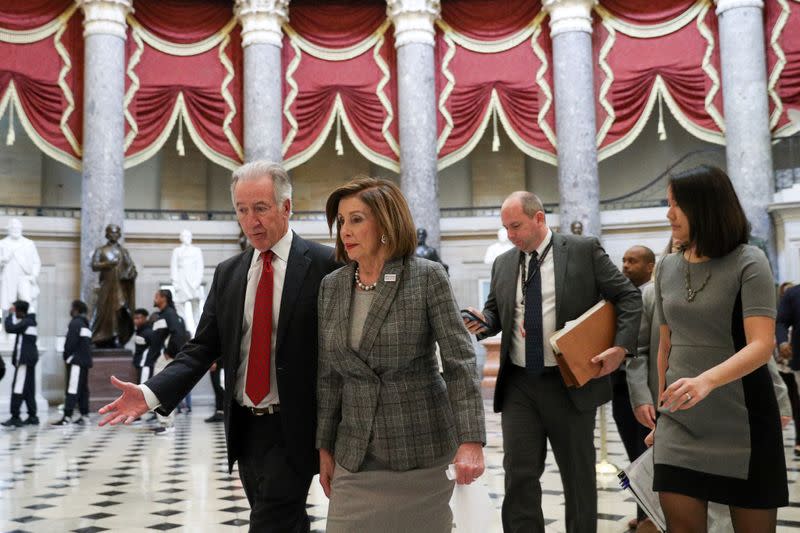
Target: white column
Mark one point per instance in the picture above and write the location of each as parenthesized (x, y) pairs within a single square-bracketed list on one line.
[(744, 89), (262, 40), (573, 69), (103, 186), (416, 91)]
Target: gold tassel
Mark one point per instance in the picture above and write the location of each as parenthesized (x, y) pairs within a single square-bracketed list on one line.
[(179, 144), (12, 135), (338, 144), (495, 136), (662, 131)]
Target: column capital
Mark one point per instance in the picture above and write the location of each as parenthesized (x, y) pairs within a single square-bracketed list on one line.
[(413, 20), (569, 15), (262, 21), (727, 5), (106, 17)]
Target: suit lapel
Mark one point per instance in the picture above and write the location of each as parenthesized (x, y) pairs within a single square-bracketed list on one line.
[(509, 288), (296, 269), (344, 289), (384, 297), (239, 288), (560, 266)]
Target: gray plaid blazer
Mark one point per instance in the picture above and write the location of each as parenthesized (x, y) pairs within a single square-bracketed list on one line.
[(390, 392)]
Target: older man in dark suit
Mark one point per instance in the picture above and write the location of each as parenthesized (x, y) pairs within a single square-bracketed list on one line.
[(261, 319), (547, 280)]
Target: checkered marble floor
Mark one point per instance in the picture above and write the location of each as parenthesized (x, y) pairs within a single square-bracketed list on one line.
[(124, 479)]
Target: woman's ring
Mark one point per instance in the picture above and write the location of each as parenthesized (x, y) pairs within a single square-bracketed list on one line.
[(688, 397)]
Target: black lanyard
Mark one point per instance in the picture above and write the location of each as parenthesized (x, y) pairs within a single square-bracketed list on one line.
[(524, 269)]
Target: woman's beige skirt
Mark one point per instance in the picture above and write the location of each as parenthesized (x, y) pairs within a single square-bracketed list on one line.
[(384, 501)]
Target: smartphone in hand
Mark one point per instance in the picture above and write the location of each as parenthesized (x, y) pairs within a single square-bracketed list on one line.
[(466, 314)]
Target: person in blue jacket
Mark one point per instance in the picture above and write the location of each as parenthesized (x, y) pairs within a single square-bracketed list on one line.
[(78, 361), (23, 359)]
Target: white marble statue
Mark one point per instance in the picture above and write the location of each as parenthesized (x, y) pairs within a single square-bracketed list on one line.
[(19, 268), (497, 248), (186, 269)]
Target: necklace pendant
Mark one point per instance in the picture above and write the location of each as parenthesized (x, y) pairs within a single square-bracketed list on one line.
[(690, 294)]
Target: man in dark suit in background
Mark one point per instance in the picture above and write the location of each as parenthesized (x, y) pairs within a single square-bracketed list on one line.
[(561, 277), (261, 319)]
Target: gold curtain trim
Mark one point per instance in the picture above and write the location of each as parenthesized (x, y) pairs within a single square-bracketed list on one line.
[(777, 69), (132, 88), (293, 91), (445, 94), (11, 98), (489, 47), (611, 115), (182, 49), (709, 69), (65, 88), (655, 30), (37, 34), (542, 83), (228, 97), (336, 54), (387, 104)]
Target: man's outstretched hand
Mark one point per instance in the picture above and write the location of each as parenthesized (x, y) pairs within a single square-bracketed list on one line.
[(125, 409)]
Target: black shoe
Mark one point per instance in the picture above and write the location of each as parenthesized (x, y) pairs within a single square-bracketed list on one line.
[(216, 417), (14, 422), (32, 421), (162, 431), (81, 420), (63, 422)]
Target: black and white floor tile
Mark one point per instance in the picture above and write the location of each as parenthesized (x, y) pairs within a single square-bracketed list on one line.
[(125, 479)]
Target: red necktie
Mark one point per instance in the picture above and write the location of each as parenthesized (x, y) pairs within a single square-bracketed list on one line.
[(257, 384)]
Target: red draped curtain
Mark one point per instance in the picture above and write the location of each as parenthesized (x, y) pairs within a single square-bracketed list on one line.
[(340, 76), (493, 72)]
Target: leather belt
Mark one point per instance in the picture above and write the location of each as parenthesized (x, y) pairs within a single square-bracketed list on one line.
[(261, 411)]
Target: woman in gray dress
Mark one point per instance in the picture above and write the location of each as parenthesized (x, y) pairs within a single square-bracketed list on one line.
[(718, 435), (389, 421)]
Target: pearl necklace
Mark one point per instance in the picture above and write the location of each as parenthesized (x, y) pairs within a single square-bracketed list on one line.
[(362, 286)]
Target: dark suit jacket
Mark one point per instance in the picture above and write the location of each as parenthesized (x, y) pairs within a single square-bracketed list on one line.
[(789, 317), (583, 276), (219, 335), (25, 350)]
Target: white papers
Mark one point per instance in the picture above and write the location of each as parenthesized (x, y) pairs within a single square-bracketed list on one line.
[(473, 510), (638, 477)]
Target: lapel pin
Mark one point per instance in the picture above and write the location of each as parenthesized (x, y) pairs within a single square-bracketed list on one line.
[(390, 277)]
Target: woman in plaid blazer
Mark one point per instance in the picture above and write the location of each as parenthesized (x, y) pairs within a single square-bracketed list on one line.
[(389, 422)]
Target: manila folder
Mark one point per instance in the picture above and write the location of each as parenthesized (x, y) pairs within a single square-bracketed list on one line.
[(581, 339)]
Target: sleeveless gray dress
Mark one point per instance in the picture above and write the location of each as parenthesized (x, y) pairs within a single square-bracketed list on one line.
[(728, 448)]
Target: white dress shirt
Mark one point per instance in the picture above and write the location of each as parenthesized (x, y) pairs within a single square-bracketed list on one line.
[(548, 277), (279, 263)]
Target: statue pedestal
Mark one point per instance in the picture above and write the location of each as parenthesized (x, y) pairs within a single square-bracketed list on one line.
[(491, 367), (108, 362)]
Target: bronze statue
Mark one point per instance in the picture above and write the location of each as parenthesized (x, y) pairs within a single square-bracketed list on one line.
[(425, 251), (112, 324)]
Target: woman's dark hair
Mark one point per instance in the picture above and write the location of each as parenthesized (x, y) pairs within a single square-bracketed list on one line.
[(717, 223), (166, 293)]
